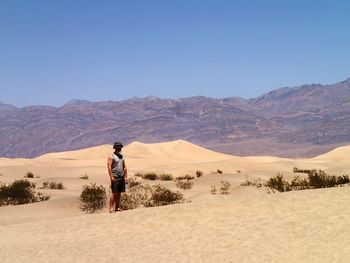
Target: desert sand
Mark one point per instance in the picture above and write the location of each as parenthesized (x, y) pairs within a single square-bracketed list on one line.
[(247, 225)]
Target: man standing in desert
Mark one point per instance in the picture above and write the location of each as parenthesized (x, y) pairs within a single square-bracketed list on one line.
[(118, 175)]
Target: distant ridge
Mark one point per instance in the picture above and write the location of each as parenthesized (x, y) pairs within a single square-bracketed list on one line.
[(291, 122)]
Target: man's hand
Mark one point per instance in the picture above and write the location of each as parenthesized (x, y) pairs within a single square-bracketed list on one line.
[(126, 180), (112, 179)]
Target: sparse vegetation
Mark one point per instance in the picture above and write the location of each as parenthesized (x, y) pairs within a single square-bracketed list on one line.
[(163, 196), (315, 179), (52, 185), (225, 187), (20, 192), (140, 195), (219, 171), (166, 177), (255, 182), (185, 177), (154, 176), (199, 173), (213, 190), (84, 177), (29, 175), (93, 198), (184, 184)]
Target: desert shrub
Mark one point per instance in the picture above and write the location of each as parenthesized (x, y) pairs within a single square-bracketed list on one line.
[(343, 179), (29, 175), (20, 192), (166, 177), (213, 190), (184, 184), (154, 176), (138, 175), (306, 171), (255, 182), (278, 183), (225, 187), (52, 185), (150, 176), (185, 177), (84, 177), (137, 195), (55, 185), (219, 171), (199, 173), (93, 198), (238, 171), (319, 179), (133, 182), (148, 196), (299, 183), (315, 179), (163, 196)]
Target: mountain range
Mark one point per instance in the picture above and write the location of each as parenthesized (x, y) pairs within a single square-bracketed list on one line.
[(292, 122)]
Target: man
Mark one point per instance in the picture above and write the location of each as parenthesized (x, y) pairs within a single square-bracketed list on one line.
[(118, 175)]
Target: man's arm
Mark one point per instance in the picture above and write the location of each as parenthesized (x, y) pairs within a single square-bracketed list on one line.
[(109, 166), (125, 172)]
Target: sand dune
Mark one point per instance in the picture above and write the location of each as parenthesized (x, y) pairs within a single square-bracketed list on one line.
[(248, 225)]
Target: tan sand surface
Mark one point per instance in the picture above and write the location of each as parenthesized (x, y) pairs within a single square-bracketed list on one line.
[(247, 225)]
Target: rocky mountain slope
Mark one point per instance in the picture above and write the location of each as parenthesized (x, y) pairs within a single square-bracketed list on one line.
[(299, 121)]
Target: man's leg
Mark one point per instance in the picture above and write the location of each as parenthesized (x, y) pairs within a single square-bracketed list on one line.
[(117, 201), (112, 202)]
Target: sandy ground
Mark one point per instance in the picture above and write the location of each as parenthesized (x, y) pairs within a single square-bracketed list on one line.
[(247, 225)]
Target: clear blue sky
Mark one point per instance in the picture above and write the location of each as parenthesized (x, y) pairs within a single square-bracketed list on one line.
[(55, 51)]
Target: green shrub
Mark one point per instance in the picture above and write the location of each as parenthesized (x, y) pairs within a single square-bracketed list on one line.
[(20, 192), (199, 173), (184, 184), (93, 198)]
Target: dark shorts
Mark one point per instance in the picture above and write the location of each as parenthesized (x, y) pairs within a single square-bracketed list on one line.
[(118, 186)]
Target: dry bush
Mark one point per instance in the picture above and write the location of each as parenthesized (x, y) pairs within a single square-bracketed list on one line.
[(225, 187), (93, 198), (184, 184), (199, 173), (165, 177), (84, 177), (255, 182), (52, 185), (219, 171), (315, 179), (140, 195), (154, 176), (163, 196), (185, 177), (20, 192), (29, 174), (213, 190)]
